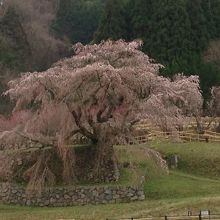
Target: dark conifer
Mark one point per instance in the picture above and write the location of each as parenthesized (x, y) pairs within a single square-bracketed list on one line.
[(113, 22)]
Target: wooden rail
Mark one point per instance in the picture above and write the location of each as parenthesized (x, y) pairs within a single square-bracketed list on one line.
[(176, 217), (146, 131), (186, 136)]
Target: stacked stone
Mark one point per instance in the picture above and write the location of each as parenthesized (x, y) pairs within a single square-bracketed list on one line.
[(70, 196)]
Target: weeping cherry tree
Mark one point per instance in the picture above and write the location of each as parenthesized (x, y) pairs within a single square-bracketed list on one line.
[(100, 93)]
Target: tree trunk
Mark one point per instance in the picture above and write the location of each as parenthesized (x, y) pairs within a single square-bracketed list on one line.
[(105, 164), (69, 166), (218, 127)]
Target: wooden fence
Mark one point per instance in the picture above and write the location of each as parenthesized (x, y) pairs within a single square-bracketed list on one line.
[(148, 132), (200, 216), (208, 136)]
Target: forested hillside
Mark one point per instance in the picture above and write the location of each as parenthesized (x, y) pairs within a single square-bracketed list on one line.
[(183, 35), (175, 33)]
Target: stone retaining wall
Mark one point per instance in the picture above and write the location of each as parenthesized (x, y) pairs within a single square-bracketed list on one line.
[(70, 196)]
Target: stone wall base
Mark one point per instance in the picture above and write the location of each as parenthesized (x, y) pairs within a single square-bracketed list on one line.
[(70, 196)]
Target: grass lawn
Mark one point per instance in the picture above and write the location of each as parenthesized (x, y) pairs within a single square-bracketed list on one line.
[(181, 185), (101, 212), (195, 185), (198, 172), (197, 158)]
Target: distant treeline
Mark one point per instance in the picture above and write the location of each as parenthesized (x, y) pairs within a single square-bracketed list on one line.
[(184, 35)]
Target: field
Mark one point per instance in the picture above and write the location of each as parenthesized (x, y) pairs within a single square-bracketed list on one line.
[(195, 185), (146, 208)]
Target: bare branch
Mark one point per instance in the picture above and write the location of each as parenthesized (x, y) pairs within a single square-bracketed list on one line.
[(82, 129), (51, 141)]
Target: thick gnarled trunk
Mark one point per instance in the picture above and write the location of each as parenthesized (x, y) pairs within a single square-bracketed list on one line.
[(69, 166), (105, 164)]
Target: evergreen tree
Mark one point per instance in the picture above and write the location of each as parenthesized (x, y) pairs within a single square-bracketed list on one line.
[(215, 6), (78, 19), (113, 22), (199, 33), (61, 24), (208, 13), (168, 37), (141, 13), (15, 54), (128, 5), (14, 48)]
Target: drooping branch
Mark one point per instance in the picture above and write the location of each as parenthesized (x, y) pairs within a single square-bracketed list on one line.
[(39, 174)]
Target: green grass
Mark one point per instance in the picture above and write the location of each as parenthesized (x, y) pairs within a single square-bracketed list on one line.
[(195, 185), (180, 185), (197, 158), (101, 212), (141, 163)]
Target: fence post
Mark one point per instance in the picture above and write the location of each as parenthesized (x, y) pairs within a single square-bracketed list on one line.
[(166, 218), (200, 216), (189, 213)]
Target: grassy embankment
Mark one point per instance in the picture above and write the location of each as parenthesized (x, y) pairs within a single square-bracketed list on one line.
[(193, 186)]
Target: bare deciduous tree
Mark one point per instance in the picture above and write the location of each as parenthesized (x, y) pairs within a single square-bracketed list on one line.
[(36, 18)]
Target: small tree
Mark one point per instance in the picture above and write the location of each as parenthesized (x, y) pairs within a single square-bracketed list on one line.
[(99, 93), (215, 104)]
